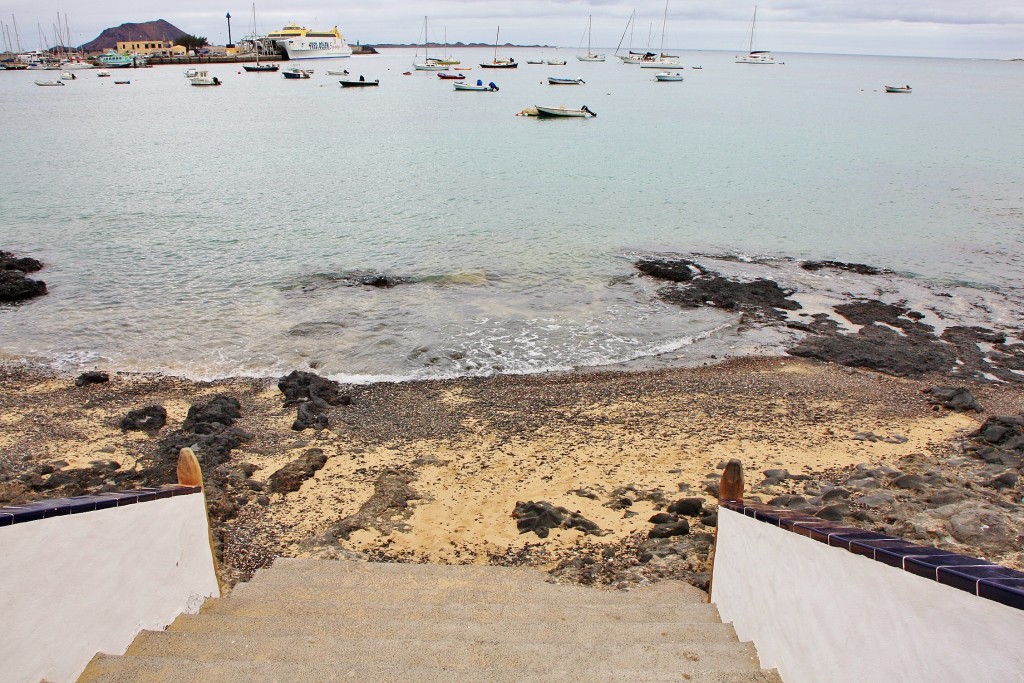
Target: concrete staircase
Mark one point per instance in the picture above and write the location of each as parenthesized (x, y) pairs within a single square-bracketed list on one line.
[(309, 620)]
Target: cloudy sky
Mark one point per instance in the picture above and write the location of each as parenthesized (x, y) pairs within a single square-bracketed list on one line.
[(934, 28)]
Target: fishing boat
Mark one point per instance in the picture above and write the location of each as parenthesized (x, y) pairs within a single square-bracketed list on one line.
[(666, 76), (476, 87), (295, 72), (337, 72), (115, 60), (898, 88), (299, 42), (204, 78), (591, 56), (360, 83), (427, 64), (562, 112), (444, 75), (499, 63), (755, 56), (49, 83), (257, 68), (663, 61), (554, 80)]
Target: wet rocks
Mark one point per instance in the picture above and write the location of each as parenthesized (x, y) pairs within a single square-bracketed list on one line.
[(954, 398), (314, 395), (541, 516), (879, 348), (291, 477), (92, 377), (148, 419), (15, 286), (859, 268), (674, 270)]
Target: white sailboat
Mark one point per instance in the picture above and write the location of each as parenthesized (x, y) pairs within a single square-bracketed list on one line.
[(755, 56), (591, 56), (258, 68), (663, 61), (427, 64)]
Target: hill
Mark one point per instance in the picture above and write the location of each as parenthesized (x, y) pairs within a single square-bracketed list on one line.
[(148, 30)]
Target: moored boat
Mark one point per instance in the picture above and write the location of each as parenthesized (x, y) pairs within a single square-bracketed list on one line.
[(554, 80), (898, 88), (102, 74), (115, 60), (755, 56), (562, 112), (295, 72), (299, 42), (204, 78), (49, 83), (591, 56), (555, 62), (499, 62), (260, 68), (444, 75), (361, 83), (476, 87), (666, 76)]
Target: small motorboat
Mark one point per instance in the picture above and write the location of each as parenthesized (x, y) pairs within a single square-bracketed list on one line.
[(444, 75), (898, 88), (68, 76), (361, 83), (666, 76), (463, 68), (553, 80), (48, 83), (561, 112), (534, 61), (191, 72), (296, 72), (556, 62), (696, 67), (335, 72), (122, 82), (476, 87), (102, 74), (204, 78)]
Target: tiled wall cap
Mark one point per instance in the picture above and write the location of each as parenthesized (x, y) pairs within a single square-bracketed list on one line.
[(970, 574), (44, 509)]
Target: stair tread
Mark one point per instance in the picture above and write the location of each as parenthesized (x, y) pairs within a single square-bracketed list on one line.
[(429, 629), (109, 669)]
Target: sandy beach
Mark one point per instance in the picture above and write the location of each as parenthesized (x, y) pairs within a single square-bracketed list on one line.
[(616, 447)]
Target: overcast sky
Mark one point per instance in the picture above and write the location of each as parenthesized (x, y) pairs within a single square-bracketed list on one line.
[(933, 28)]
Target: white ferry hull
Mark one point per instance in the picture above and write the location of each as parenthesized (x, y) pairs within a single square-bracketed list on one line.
[(315, 48)]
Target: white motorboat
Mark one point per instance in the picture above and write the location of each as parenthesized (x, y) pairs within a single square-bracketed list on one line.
[(755, 56), (47, 83), (334, 72), (67, 76), (204, 78), (296, 72), (555, 62), (666, 76), (476, 87), (554, 80), (102, 73), (191, 72), (562, 112)]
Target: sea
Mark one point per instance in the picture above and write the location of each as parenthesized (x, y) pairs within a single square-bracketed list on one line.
[(225, 231)]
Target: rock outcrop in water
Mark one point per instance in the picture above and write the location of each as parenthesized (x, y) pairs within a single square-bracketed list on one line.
[(15, 285)]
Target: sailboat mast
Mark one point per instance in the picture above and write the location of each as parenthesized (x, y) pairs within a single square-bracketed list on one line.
[(426, 42), (496, 45), (753, 27), (590, 20), (664, 23)]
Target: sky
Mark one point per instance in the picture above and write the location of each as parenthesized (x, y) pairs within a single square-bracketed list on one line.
[(927, 28)]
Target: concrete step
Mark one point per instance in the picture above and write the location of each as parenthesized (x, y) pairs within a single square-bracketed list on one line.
[(428, 586), (381, 608), (342, 628), (108, 669), (451, 654)]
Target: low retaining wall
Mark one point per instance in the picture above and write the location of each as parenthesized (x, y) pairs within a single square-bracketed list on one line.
[(826, 602), (85, 575)]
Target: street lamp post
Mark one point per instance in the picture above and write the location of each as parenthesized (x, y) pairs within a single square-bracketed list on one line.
[(230, 44)]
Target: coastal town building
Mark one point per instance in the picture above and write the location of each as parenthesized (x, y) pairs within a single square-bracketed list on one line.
[(159, 48)]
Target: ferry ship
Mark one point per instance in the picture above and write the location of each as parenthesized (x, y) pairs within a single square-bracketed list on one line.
[(299, 42)]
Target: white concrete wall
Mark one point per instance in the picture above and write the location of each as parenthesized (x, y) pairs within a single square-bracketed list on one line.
[(819, 613), (76, 585)]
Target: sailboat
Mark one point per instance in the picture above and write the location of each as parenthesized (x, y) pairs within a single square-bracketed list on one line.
[(496, 62), (427, 64), (591, 56), (632, 57), (258, 68), (755, 56), (663, 61), (446, 59)]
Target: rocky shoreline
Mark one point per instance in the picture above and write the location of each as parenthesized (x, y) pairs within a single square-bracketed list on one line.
[(883, 416)]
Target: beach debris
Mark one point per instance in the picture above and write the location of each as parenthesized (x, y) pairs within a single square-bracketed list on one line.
[(148, 419), (954, 398), (15, 286), (541, 516), (291, 477), (92, 377)]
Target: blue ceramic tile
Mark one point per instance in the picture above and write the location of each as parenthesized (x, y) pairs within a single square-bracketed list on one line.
[(184, 490), (79, 504), (126, 498), (1009, 592), (843, 539), (928, 566), (106, 500), (162, 493), (894, 555), (25, 514), (967, 578), (6, 518), (867, 547)]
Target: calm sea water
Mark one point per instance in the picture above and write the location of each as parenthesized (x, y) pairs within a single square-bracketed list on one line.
[(209, 232)]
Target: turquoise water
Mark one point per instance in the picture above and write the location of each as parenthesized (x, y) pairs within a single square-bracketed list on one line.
[(207, 231)]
